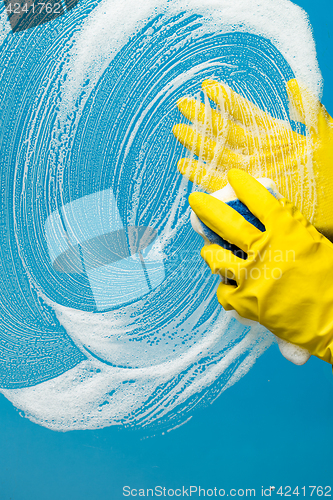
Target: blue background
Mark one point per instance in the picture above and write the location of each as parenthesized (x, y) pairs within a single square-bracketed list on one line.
[(274, 427)]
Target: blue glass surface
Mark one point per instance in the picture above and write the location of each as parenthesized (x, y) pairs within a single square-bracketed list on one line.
[(274, 427), (105, 155)]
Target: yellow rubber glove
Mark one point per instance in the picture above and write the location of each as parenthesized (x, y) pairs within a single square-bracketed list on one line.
[(241, 135), (286, 283)]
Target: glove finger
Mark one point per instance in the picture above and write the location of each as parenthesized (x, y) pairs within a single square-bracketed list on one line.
[(204, 147), (222, 261), (214, 123), (234, 135), (253, 194), (202, 175), (224, 220), (210, 178), (238, 107)]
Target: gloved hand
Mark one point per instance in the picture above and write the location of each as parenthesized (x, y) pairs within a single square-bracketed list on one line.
[(286, 282), (241, 135)]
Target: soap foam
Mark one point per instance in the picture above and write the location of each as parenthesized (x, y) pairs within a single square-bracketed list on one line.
[(111, 24), (93, 395), (193, 357)]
